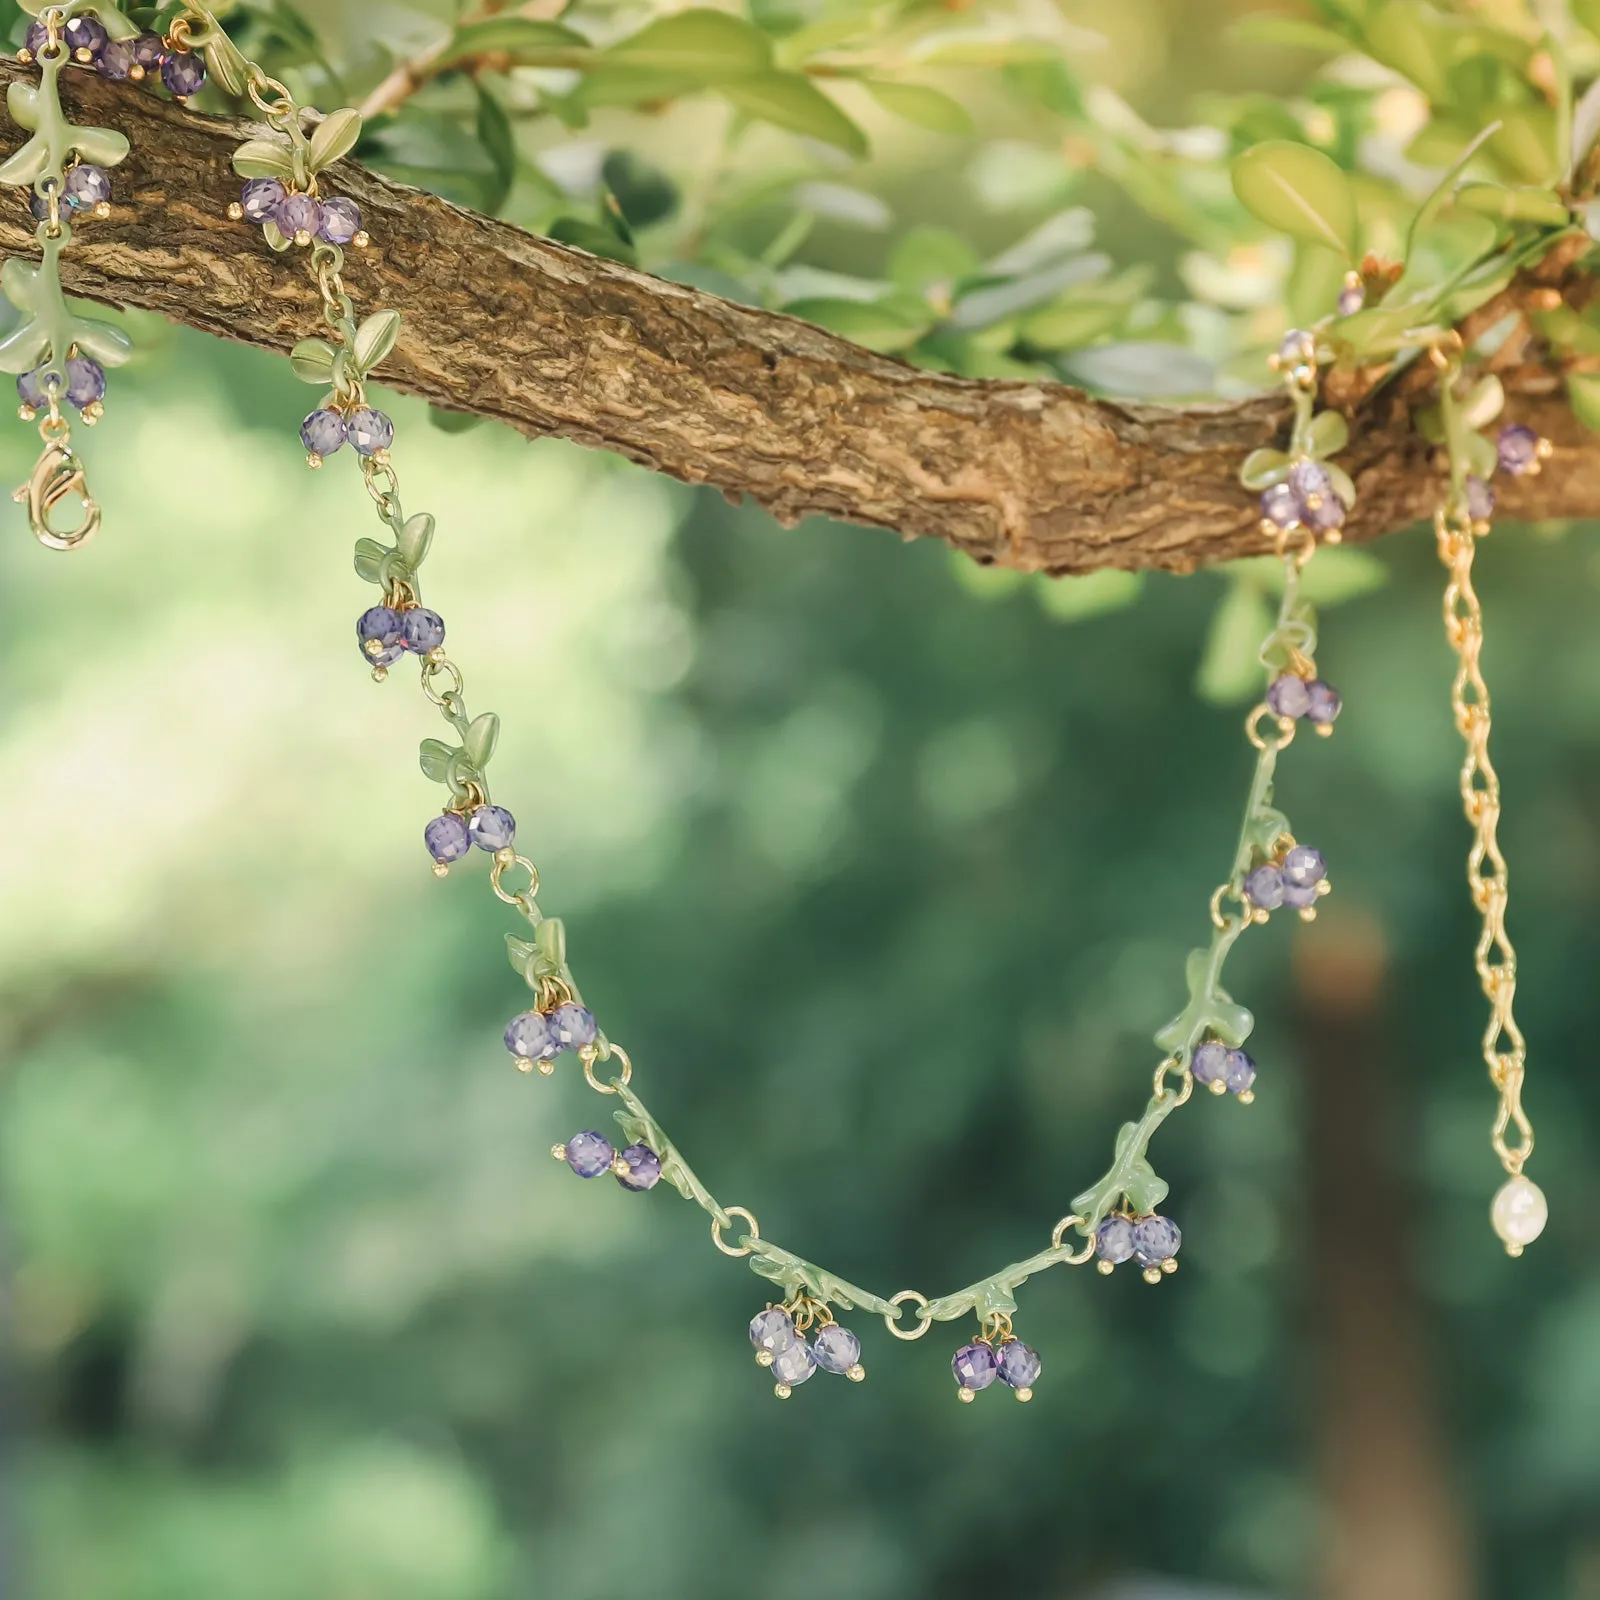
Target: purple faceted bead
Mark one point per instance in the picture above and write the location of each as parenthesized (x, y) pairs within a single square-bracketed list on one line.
[(644, 1168), (86, 381), (422, 630), (1264, 888), (1241, 1072), (1311, 483), (590, 1153), (1480, 499), (1517, 448), (1327, 513), (1289, 696), (794, 1365), (772, 1330), (528, 1037), (1303, 866), (378, 633), (36, 38), (87, 185), (1280, 506), (1156, 1239), (1019, 1365), (836, 1349), (39, 206), (85, 37), (370, 431), (260, 197), (322, 432), (1208, 1065), (572, 1026), (296, 214), (341, 220), (116, 60), (974, 1365), (184, 74), (446, 838), (149, 51), (492, 828), (30, 391), (1325, 702), (1113, 1240), (1351, 299)]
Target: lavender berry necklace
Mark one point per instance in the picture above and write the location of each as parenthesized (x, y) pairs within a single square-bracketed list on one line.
[(1117, 1220)]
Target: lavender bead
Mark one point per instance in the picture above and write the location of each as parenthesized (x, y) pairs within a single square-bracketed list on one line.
[(422, 630), (772, 1330), (1289, 696), (1303, 866), (184, 74), (322, 433), (1155, 1240), (36, 38), (260, 197), (572, 1026), (370, 431), (974, 1366), (297, 214), (794, 1365), (644, 1168), (1208, 1065), (341, 220), (116, 60), (1113, 1240), (85, 37), (378, 633), (447, 841), (1264, 888), (1280, 506), (1351, 299), (1240, 1073), (836, 1349), (1328, 513), (1517, 449), (1296, 343), (1480, 499), (590, 1153), (30, 391), (528, 1036), (88, 185), (40, 207), (86, 381), (1019, 1365), (1311, 483), (1325, 702), (492, 828), (149, 51)]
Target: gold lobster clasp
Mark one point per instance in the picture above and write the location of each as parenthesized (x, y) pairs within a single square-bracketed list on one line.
[(56, 476)]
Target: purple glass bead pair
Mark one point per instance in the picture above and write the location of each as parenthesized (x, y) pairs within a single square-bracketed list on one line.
[(1296, 881), (300, 216), (977, 1365), (84, 38), (1295, 697), (367, 432), (136, 58), (1152, 1241), (450, 835), (781, 1346), (384, 634), (1305, 499), (1224, 1071), (86, 385), (538, 1037), (84, 187), (637, 1167)]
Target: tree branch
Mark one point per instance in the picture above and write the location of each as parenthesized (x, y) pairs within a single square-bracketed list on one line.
[(762, 406)]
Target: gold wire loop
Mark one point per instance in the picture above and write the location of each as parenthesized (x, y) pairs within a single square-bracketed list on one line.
[(589, 1055), (498, 871), (1166, 1095), (1252, 728), (433, 667), (891, 1320), (1058, 1236), (1221, 892), (753, 1235), (996, 1328)]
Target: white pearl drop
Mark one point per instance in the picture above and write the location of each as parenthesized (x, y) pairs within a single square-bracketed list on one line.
[(1519, 1213)]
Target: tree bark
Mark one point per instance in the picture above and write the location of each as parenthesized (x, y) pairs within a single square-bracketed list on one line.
[(1031, 475)]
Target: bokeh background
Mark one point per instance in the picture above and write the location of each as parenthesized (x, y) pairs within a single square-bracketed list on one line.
[(884, 868)]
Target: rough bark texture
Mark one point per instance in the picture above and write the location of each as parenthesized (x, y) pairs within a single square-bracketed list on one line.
[(552, 341)]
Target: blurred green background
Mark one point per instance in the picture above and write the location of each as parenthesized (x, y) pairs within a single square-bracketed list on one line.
[(884, 868)]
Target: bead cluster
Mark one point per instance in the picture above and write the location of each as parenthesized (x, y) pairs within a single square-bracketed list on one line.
[(589, 1154), (450, 835), (1153, 1241), (779, 1335), (385, 633), (86, 388), (1224, 1070), (996, 1353), (300, 216), (1296, 878), (536, 1038), (1296, 697), (134, 59), (367, 431)]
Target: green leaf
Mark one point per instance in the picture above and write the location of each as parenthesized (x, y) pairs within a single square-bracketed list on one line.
[(1092, 595), (375, 339), (1328, 434), (644, 193), (983, 307), (1298, 191), (1539, 206), (500, 143), (526, 40), (712, 47), (1583, 394), (1484, 402), (1230, 668), (370, 556), (263, 158), (788, 100), (1405, 37), (110, 346), (104, 147), (435, 756), (482, 735), (1444, 190), (454, 421), (550, 937), (1263, 468), (223, 59), (24, 348), (312, 360), (597, 239), (415, 536), (916, 102), (884, 325), (336, 136), (928, 256)]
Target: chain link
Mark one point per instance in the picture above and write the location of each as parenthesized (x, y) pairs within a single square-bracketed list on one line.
[(1504, 1051)]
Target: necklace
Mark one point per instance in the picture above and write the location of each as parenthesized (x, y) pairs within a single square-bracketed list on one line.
[(1117, 1220)]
